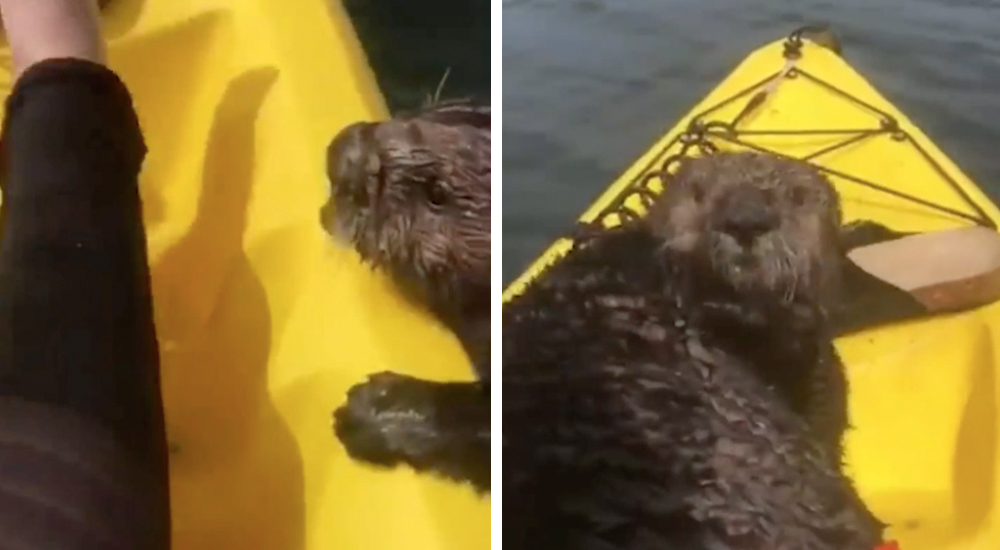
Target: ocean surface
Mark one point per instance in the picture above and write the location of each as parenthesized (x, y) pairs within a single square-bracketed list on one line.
[(415, 47), (588, 85)]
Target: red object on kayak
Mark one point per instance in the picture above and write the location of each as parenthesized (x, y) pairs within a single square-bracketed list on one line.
[(891, 545)]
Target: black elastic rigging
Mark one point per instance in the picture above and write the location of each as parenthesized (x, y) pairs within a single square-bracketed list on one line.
[(701, 131)]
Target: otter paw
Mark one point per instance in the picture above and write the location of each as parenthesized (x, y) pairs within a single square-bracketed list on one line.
[(382, 418)]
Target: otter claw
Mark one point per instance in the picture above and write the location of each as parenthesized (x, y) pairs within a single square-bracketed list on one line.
[(372, 423), (357, 425), (362, 440)]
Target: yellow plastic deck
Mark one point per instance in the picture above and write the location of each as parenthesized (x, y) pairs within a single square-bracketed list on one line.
[(924, 393), (264, 322)]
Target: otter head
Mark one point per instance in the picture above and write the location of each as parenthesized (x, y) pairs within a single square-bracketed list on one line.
[(412, 196), (762, 223)]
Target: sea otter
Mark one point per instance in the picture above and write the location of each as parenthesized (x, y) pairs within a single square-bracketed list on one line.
[(412, 196), (771, 229), (657, 380)]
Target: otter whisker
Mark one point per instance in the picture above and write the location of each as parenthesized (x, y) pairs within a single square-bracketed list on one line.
[(787, 258), (433, 99)]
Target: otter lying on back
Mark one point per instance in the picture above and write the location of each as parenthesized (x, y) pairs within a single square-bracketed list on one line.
[(665, 384)]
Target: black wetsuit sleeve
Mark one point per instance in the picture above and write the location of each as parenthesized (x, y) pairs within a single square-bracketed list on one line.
[(83, 461)]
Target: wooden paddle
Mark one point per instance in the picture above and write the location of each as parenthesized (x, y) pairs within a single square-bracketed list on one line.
[(947, 270)]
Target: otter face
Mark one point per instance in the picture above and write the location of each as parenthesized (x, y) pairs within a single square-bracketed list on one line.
[(412, 195), (763, 223)]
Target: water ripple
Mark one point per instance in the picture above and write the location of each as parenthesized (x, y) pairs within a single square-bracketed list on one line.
[(590, 84)]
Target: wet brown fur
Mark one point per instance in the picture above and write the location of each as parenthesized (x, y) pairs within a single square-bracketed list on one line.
[(769, 226), (412, 196), (654, 397), (786, 210)]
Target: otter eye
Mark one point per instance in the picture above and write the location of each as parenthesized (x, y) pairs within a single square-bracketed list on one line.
[(698, 192), (799, 196), (436, 193)]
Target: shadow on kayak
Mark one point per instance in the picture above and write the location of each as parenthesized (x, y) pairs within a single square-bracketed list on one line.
[(233, 458)]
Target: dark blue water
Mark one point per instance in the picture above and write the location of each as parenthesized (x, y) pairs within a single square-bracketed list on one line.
[(412, 44), (588, 85)]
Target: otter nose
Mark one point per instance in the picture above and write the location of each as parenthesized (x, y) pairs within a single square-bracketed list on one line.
[(350, 152), (749, 218)]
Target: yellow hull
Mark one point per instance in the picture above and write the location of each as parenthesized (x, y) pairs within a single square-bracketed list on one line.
[(924, 393), (264, 322)]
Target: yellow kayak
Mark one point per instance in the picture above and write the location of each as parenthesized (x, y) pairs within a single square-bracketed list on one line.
[(263, 321), (924, 398)]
